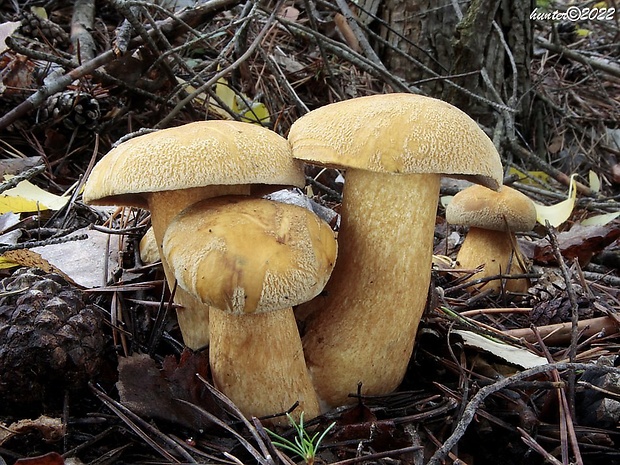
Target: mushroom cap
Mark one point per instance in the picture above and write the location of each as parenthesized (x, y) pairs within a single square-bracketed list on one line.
[(504, 210), (397, 133), (244, 255), (197, 154)]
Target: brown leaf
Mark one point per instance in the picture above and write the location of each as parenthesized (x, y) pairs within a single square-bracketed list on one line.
[(51, 458), (580, 242), (615, 173), (31, 259), (151, 392)]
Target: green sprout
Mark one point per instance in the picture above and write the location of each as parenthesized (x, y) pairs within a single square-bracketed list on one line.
[(304, 445)]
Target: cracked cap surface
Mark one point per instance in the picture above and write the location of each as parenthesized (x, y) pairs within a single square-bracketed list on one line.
[(192, 155), (397, 133)]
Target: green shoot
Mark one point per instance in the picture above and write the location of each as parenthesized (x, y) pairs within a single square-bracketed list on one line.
[(304, 445)]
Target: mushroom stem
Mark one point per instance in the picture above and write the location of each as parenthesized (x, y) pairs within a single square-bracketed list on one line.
[(502, 257), (192, 315), (257, 361), (379, 285)]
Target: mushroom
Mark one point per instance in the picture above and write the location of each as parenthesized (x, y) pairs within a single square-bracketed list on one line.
[(394, 148), (493, 218), (251, 260), (168, 170), (148, 248)]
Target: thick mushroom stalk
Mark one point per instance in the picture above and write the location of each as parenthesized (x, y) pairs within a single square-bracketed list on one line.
[(394, 147), (375, 299), (257, 360), (168, 170), (251, 260)]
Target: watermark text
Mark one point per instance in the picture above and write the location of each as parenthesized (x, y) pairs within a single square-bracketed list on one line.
[(574, 13)]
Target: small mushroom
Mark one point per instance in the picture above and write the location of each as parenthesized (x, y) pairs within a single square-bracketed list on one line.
[(168, 170), (395, 148), (493, 219), (148, 249), (251, 260)]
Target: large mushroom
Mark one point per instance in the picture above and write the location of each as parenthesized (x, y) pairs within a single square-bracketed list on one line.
[(251, 260), (395, 148), (168, 170), (493, 218)]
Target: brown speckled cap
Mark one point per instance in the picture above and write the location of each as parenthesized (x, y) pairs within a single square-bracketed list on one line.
[(397, 133), (193, 155), (245, 255), (506, 209)]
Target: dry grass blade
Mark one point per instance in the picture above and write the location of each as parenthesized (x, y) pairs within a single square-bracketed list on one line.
[(137, 424), (531, 442), (263, 456)]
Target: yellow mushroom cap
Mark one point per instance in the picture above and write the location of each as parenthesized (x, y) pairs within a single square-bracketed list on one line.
[(244, 255), (193, 155), (504, 210), (397, 133)]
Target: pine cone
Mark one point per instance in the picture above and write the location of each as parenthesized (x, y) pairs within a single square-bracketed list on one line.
[(73, 108), (41, 28), (50, 339)]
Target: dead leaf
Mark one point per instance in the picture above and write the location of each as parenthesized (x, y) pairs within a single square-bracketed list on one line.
[(615, 173), (52, 458), (518, 356), (15, 166), (556, 144), (26, 197), (558, 213), (18, 74), (81, 263), (153, 393), (26, 257), (594, 181), (51, 429), (580, 242), (6, 30), (290, 13), (600, 220)]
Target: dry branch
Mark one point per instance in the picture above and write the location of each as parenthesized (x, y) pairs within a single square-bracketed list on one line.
[(560, 333)]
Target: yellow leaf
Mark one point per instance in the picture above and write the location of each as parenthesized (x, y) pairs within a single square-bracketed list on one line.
[(258, 113), (526, 179), (595, 182), (226, 94), (600, 220), (560, 212), (201, 98), (26, 197), (582, 32), (7, 263), (39, 11)]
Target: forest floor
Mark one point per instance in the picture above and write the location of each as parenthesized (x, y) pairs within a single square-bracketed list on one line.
[(104, 388)]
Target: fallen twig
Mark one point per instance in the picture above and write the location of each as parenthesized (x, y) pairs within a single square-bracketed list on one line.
[(560, 333), (482, 394)]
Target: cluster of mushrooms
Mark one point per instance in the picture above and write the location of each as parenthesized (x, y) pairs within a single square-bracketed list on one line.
[(242, 262)]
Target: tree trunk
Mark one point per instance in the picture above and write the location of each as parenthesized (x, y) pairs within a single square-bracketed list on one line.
[(461, 46)]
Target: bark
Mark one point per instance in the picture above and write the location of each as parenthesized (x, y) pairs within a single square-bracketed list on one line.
[(447, 42)]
